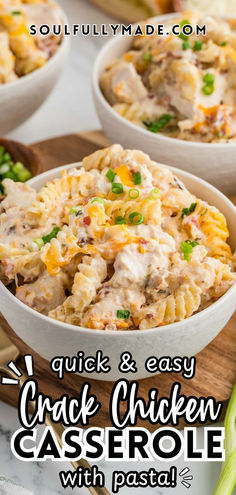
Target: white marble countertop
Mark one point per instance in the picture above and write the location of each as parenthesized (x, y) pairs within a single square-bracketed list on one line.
[(68, 109)]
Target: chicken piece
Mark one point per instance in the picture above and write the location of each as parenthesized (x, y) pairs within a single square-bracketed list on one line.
[(44, 294), (122, 84)]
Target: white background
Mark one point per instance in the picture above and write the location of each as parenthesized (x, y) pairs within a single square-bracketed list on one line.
[(70, 109)]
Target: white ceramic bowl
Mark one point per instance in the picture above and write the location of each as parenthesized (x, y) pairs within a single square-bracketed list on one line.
[(210, 161), (52, 338), (21, 98)]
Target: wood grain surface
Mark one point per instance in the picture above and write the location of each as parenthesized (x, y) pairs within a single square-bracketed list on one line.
[(216, 364)]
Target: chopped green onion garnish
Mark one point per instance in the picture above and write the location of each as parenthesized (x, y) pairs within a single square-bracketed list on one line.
[(186, 45), (136, 218), (183, 23), (10, 170), (98, 200), (23, 175), (110, 175), (123, 314), (208, 89), (147, 57), (10, 175), (159, 124), (187, 248), (155, 193), (133, 193), (227, 480), (197, 46), (120, 220), (209, 78), (47, 238), (137, 178), (117, 188), (16, 12), (187, 211), (224, 43)]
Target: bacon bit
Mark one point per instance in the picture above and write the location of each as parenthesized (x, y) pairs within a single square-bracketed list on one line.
[(143, 241), (87, 220), (150, 316)]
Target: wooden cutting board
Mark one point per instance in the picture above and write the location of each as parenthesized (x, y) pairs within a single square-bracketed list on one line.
[(216, 365)]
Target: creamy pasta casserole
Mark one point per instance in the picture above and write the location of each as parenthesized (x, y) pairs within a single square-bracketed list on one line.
[(21, 53), (116, 244), (183, 87)]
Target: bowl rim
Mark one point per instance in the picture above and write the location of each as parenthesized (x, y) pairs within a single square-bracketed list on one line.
[(133, 127), (29, 77), (128, 333)]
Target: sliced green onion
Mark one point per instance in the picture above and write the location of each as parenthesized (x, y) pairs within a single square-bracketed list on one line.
[(227, 480), (209, 78), (47, 238), (120, 220), (159, 124), (10, 175), (137, 178), (6, 157), (39, 242), (155, 193), (23, 175), (184, 22), (16, 12), (117, 188), (123, 314), (74, 210), (208, 89), (186, 45), (110, 175), (98, 200), (147, 57), (136, 218), (133, 193), (4, 168), (197, 46), (187, 211), (18, 167), (224, 43), (187, 249)]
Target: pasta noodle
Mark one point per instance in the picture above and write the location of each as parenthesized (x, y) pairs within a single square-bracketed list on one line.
[(117, 244)]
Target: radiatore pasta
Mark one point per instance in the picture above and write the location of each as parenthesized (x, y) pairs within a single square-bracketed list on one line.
[(117, 244)]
